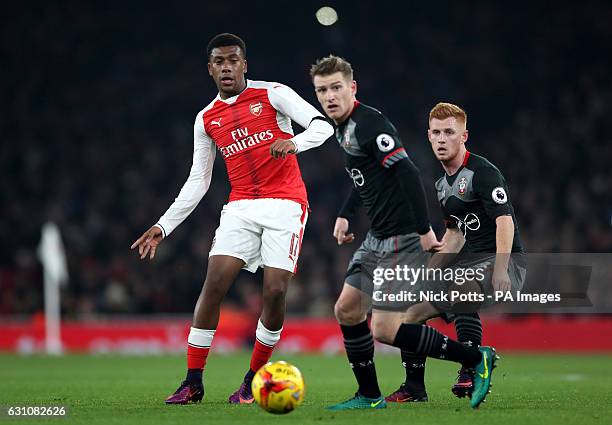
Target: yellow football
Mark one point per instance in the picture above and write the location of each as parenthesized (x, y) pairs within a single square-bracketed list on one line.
[(278, 387)]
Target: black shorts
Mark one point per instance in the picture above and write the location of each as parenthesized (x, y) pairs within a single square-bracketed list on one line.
[(471, 295), (384, 254)]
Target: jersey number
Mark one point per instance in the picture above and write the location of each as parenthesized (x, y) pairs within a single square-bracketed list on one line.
[(294, 246)]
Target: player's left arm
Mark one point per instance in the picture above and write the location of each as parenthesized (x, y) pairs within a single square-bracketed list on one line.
[(491, 186), (317, 128), (504, 236)]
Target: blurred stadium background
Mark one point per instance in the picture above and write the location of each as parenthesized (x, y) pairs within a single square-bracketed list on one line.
[(98, 105)]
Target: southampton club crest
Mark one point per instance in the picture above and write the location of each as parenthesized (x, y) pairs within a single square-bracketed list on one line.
[(256, 108), (347, 138), (462, 185)]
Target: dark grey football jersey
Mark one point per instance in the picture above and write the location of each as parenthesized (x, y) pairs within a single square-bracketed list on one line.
[(471, 200), (372, 146)]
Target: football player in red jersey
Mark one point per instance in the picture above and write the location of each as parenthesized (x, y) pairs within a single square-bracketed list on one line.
[(262, 224)]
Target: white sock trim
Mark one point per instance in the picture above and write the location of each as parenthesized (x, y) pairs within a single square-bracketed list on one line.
[(266, 336), (201, 337)]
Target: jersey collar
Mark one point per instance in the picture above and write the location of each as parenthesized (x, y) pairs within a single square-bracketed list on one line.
[(355, 105), (233, 99), (451, 179)]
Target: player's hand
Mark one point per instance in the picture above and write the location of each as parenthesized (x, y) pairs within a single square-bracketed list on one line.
[(340, 229), (501, 280), (148, 242), (281, 148), (430, 243)]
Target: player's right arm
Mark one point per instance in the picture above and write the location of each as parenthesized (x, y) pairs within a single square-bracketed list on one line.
[(191, 194), (348, 210), (453, 241)]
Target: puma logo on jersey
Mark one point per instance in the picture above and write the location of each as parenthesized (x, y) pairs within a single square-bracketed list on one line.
[(217, 122)]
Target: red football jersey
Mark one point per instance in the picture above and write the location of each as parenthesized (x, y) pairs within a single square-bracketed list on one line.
[(242, 129), (244, 126)]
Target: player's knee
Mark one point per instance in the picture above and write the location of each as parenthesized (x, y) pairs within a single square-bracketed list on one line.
[(348, 313), (381, 334), (419, 313), (274, 291), (384, 329), (410, 317)]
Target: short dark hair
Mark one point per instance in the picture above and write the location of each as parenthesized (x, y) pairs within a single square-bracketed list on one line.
[(330, 65), (223, 40)]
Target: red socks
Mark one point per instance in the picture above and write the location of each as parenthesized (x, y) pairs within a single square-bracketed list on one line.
[(261, 355), (200, 340), (196, 357), (265, 340), (198, 346)]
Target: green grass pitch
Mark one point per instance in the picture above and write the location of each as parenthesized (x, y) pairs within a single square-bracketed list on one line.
[(528, 389)]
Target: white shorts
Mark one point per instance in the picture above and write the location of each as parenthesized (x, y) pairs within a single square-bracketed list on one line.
[(261, 232)]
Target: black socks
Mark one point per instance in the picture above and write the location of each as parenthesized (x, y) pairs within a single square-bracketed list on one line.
[(422, 339), (469, 329), (359, 346), (194, 375), (415, 369)]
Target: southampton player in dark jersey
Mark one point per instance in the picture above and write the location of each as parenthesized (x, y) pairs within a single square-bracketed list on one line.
[(475, 202), (388, 184), (479, 217), (473, 193), (481, 231)]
